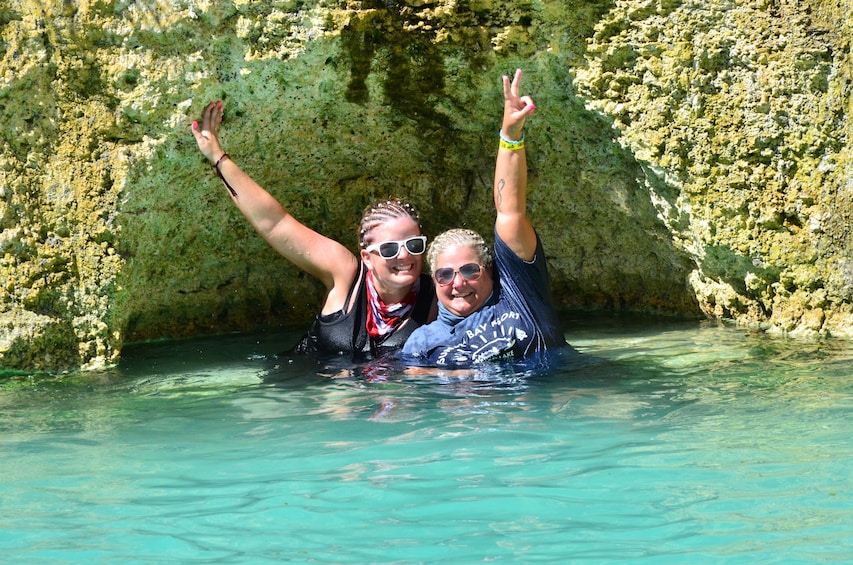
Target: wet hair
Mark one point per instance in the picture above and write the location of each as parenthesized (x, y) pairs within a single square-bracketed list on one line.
[(380, 212), (459, 238)]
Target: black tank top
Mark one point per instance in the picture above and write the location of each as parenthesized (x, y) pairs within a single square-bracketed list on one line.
[(345, 333)]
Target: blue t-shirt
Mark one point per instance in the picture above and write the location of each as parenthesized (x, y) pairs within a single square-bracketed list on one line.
[(517, 322)]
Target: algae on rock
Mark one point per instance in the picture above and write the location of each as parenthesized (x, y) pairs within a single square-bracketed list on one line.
[(744, 106)]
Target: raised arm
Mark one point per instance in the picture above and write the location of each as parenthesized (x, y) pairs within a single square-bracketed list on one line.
[(511, 223), (324, 258)]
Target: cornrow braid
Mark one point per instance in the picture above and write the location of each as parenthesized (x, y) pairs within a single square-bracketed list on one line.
[(380, 212)]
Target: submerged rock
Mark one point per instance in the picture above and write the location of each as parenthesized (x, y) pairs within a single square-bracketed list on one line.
[(685, 159)]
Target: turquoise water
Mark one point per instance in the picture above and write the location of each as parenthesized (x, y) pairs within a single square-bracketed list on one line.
[(675, 443)]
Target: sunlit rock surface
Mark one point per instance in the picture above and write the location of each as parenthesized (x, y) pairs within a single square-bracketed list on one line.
[(685, 157)]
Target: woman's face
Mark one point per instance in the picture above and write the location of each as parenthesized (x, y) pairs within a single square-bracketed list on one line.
[(399, 273), (462, 297)]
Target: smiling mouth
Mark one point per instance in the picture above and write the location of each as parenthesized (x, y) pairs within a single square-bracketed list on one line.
[(403, 268)]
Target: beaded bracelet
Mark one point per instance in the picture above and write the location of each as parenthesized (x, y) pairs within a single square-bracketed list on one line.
[(218, 172), (511, 144)]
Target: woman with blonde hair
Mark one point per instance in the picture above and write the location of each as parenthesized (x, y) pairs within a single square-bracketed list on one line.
[(492, 307)]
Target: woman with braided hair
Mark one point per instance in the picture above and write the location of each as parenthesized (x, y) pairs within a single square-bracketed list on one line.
[(374, 301)]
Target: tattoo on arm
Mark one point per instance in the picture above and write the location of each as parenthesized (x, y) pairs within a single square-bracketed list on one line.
[(500, 191)]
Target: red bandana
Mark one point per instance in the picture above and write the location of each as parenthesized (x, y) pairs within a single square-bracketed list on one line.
[(384, 318)]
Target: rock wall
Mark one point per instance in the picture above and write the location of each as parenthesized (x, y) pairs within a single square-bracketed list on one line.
[(685, 158), (743, 108)]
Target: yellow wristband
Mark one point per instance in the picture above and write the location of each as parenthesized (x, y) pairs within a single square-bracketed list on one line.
[(511, 144)]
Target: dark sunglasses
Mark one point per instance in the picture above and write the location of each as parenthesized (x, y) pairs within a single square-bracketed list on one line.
[(390, 249), (468, 271)]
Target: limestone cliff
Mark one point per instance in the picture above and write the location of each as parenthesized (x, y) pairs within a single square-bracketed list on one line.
[(684, 157), (742, 109)]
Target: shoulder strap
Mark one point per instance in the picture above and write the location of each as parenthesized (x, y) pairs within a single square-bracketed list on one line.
[(357, 305)]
